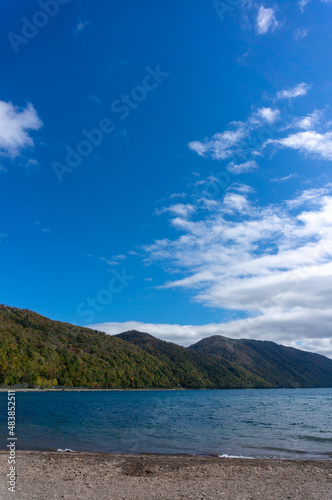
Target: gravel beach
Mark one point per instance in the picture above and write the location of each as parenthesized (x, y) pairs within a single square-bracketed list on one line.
[(92, 476)]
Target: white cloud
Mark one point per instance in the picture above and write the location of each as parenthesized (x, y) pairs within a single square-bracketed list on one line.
[(220, 146), (309, 140), (179, 209), (271, 262), (234, 202), (308, 122), (315, 143), (239, 168), (266, 20), (310, 197), (298, 91), (269, 115), (15, 125)]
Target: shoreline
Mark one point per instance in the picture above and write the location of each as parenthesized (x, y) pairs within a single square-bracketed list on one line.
[(91, 476), (79, 389), (70, 452), (124, 389)]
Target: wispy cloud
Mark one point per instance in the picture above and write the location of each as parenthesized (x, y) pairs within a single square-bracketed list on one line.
[(302, 4), (224, 145), (246, 141), (315, 143), (114, 260), (80, 26), (15, 127), (266, 20), (298, 91), (180, 210), (178, 195), (241, 188), (119, 257), (235, 140), (301, 33), (284, 179), (240, 168), (220, 146)]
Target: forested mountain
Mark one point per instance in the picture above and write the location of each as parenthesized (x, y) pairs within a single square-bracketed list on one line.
[(193, 369), (37, 351), (278, 365)]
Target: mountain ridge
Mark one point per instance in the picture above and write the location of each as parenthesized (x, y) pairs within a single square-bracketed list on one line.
[(37, 351), (262, 355)]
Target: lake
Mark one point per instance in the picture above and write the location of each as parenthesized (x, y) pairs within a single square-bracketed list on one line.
[(273, 423)]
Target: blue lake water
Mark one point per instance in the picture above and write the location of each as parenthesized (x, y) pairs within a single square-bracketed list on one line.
[(281, 423)]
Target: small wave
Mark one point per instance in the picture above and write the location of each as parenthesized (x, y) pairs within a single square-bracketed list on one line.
[(235, 456), (66, 449), (284, 450), (316, 438)]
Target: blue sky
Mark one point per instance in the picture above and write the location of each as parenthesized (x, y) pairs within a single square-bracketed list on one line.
[(167, 166)]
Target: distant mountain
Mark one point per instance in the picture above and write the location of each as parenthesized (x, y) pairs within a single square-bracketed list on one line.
[(194, 369), (278, 365), (36, 351)]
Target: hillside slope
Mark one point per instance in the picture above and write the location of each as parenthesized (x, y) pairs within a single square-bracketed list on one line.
[(38, 351), (278, 365)]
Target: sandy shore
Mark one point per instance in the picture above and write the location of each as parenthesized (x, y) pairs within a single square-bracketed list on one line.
[(91, 476)]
